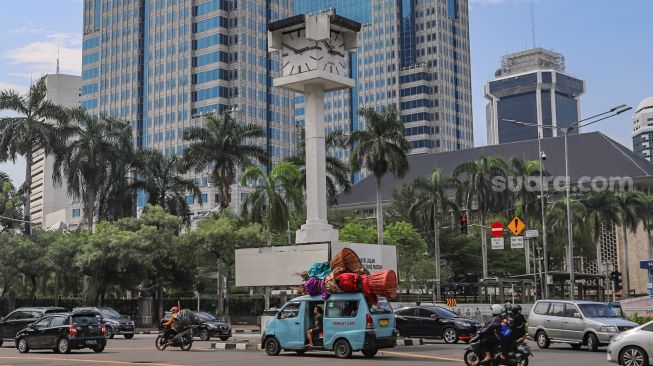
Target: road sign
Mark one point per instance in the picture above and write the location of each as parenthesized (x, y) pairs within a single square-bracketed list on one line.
[(451, 303), (516, 225), (496, 229), (497, 243), (517, 242), (532, 234)]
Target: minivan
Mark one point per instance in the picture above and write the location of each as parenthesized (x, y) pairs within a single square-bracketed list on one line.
[(577, 323), (349, 325)]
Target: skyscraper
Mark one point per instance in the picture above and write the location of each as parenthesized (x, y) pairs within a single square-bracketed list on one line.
[(531, 86), (643, 129), (163, 65), (411, 54), (49, 203)]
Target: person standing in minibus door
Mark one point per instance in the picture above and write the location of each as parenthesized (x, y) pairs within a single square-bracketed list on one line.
[(314, 332)]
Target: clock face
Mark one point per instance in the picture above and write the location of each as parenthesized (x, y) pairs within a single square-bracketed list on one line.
[(335, 60), (299, 53)]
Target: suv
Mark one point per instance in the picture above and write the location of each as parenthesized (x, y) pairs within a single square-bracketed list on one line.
[(114, 322), (22, 317), (575, 322), (434, 322)]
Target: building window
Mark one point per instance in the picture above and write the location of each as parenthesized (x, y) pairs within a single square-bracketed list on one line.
[(190, 199), (76, 212), (204, 198)]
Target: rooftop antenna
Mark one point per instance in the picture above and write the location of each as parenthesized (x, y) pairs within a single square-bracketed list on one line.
[(533, 23), (57, 56)]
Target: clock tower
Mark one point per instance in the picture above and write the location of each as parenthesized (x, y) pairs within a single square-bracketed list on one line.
[(314, 61)]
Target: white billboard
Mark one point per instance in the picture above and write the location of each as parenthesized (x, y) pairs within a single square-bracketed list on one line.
[(277, 266)]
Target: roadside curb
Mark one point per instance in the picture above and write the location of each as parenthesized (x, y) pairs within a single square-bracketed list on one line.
[(246, 331), (410, 342), (236, 346)]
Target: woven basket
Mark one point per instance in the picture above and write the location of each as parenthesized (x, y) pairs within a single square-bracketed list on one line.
[(383, 283), (348, 259), (331, 284)]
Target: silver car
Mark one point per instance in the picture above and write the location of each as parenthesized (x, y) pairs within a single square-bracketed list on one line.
[(577, 323), (634, 347)]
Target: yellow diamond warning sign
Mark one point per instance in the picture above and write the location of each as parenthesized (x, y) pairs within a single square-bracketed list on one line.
[(516, 225)]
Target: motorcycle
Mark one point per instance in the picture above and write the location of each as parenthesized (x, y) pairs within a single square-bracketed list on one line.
[(518, 355), (183, 340)]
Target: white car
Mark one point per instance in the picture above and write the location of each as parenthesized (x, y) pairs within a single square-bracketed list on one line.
[(633, 347)]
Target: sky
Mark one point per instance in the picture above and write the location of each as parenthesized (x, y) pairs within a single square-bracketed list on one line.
[(607, 43)]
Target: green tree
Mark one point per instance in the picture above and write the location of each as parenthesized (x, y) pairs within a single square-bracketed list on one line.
[(631, 205), (356, 230), (273, 195), (29, 131), (647, 217), (29, 257), (524, 196), (601, 208), (61, 257), (87, 158), (411, 246), (556, 218), (224, 146), (158, 176), (11, 206), (381, 148), (337, 171)]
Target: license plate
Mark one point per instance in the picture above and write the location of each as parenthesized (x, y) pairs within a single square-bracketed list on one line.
[(91, 341), (384, 322)]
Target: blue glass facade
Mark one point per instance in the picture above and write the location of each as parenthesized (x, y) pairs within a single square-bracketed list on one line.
[(407, 33)]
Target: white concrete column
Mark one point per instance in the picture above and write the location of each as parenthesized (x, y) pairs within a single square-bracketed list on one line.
[(317, 228)]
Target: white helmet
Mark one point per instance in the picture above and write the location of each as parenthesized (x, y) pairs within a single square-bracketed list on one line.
[(496, 309)]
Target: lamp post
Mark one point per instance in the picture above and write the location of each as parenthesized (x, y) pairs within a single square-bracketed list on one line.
[(542, 157), (566, 130)]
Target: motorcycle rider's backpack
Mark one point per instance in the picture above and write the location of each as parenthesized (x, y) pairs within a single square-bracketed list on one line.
[(185, 318)]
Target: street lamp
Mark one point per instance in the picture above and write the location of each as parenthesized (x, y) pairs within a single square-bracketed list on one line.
[(576, 125)]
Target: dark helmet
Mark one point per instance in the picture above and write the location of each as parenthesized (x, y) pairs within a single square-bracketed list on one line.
[(516, 309)]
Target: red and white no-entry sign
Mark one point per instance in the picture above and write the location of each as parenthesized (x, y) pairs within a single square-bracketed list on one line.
[(496, 229)]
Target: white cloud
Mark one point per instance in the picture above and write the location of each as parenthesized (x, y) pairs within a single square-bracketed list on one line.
[(9, 86), (40, 57)]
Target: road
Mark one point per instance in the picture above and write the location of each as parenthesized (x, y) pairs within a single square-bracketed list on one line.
[(141, 351)]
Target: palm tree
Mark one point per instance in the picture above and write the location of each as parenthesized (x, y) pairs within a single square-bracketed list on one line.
[(224, 146), (273, 196), (525, 195), (381, 148), (337, 171), (28, 132), (556, 218), (91, 147), (432, 202), (601, 208), (647, 216), (630, 205), (474, 181), (158, 176), (11, 206)]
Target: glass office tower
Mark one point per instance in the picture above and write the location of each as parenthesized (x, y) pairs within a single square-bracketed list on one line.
[(531, 86), (413, 54), (163, 65)]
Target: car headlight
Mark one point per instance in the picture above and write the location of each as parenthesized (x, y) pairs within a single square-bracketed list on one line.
[(609, 328), (132, 323), (463, 324), (616, 338)]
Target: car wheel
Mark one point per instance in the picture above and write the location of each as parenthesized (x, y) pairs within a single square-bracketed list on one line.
[(450, 335), (63, 346), (272, 346), (224, 338), (542, 340), (129, 336), (369, 353), (109, 334), (575, 346), (342, 349), (99, 349), (471, 358), (22, 346), (592, 342), (633, 356), (204, 335)]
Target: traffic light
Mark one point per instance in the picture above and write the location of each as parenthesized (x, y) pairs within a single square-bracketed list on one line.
[(615, 276), (463, 224)]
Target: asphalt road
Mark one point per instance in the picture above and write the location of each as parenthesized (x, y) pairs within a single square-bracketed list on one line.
[(141, 351)]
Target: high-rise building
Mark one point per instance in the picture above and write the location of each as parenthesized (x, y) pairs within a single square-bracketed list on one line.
[(50, 204), (411, 54), (531, 86), (643, 129), (163, 65)]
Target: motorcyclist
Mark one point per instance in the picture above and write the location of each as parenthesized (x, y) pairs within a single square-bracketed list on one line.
[(517, 329), (170, 329), (490, 336)]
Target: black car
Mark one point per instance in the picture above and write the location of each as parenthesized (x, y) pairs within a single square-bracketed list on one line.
[(114, 321), (209, 326), (434, 322), (22, 317), (62, 333)]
